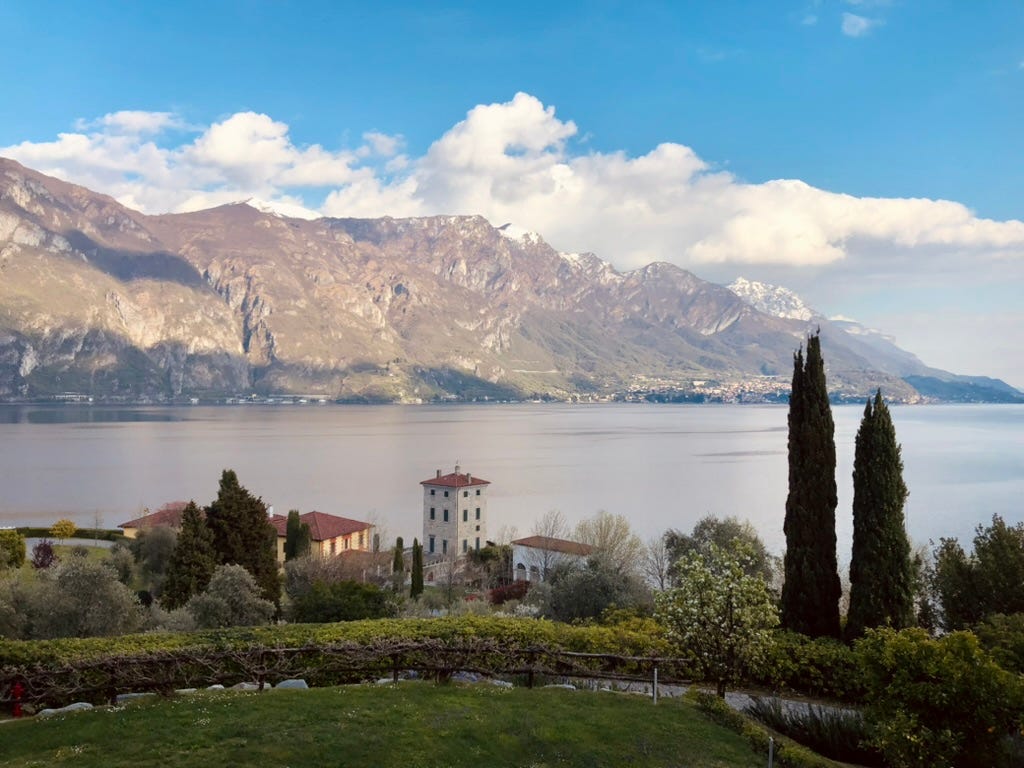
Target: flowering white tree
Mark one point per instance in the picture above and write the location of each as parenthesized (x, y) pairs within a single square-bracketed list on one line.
[(718, 613)]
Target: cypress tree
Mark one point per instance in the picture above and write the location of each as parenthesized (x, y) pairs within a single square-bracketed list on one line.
[(297, 537), (193, 561), (417, 570), (810, 594), (242, 534), (881, 573), (398, 564)]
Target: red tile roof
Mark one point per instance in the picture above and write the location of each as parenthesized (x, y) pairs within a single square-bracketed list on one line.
[(455, 480), (169, 514), (322, 526), (555, 545)]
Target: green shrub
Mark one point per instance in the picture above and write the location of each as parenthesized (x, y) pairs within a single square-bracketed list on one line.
[(818, 667), (938, 702), (840, 734), (342, 601), (12, 549)]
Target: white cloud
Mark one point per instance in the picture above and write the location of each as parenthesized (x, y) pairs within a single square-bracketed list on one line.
[(518, 161), (857, 26)]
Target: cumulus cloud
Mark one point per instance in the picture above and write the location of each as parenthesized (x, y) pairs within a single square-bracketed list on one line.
[(519, 161), (857, 26)]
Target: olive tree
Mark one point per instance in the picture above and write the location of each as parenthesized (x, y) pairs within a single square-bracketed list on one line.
[(232, 599), (718, 613)]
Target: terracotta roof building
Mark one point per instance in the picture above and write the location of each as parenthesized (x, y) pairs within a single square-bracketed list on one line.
[(533, 557), (330, 534), (168, 515)]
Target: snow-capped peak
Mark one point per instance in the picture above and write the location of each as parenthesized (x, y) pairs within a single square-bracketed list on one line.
[(513, 232), (772, 299), (282, 208)]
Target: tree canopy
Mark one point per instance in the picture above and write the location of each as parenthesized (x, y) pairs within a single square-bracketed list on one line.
[(719, 614)]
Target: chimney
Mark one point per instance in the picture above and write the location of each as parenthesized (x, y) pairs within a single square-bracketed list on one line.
[(469, 478), (456, 469), (438, 473)]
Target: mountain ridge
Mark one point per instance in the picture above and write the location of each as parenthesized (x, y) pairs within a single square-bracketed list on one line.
[(100, 300)]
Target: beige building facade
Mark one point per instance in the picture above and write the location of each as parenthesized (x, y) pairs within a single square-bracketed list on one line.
[(454, 513)]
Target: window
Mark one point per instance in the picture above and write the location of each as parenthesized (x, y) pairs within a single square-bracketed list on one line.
[(431, 513), (478, 513), (465, 494), (465, 515), (465, 545), (334, 545), (446, 494), (445, 515), (477, 543), (432, 491), (444, 546), (478, 527), (430, 545), (477, 491)]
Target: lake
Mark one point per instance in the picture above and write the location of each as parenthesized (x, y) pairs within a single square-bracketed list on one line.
[(660, 465)]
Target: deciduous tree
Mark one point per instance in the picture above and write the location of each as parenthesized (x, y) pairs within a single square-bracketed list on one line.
[(881, 572), (811, 591), (718, 614), (63, 529), (725, 533), (611, 537)]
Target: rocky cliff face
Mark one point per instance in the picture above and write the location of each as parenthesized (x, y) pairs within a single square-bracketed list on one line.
[(102, 300)]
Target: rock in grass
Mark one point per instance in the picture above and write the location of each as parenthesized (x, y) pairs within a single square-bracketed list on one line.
[(78, 706), (297, 684), (245, 687)]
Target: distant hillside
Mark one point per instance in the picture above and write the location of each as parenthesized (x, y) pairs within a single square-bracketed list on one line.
[(99, 300)]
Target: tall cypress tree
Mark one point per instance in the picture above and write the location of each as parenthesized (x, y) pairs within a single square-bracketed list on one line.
[(881, 573), (416, 588), (398, 565), (810, 594), (192, 562), (242, 534), (298, 537)]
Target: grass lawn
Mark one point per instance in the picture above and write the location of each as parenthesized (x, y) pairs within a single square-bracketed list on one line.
[(412, 725)]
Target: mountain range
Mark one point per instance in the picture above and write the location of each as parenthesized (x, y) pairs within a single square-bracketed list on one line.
[(99, 300)]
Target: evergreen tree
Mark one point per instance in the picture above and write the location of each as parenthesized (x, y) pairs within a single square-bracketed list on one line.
[(417, 570), (298, 537), (881, 575), (810, 594), (192, 562), (242, 535)]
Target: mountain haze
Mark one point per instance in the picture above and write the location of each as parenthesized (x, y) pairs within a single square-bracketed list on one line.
[(101, 300)]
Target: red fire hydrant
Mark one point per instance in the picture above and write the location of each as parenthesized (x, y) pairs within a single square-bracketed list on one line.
[(16, 693)]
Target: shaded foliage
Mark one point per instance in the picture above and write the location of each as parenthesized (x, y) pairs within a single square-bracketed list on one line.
[(881, 571), (242, 534), (192, 562), (811, 591), (342, 601), (232, 599)]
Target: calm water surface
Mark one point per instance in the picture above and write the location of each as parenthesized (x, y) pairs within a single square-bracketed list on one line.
[(661, 465)]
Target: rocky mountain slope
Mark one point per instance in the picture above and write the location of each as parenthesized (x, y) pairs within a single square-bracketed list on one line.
[(101, 300)]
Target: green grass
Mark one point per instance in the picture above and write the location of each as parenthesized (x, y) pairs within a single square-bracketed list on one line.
[(412, 725)]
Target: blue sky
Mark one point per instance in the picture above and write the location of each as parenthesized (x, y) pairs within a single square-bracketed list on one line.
[(802, 143)]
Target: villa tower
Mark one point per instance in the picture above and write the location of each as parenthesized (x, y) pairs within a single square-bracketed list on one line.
[(454, 513)]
